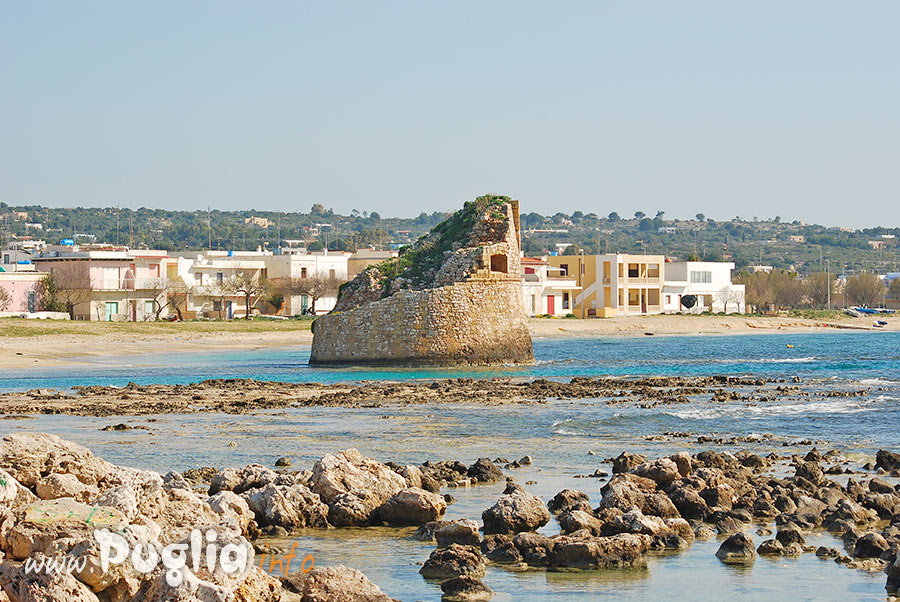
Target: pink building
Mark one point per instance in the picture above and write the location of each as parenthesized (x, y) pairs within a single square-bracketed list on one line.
[(121, 282), (21, 291)]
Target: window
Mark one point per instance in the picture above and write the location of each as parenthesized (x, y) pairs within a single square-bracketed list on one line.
[(149, 308), (701, 277), (668, 299), (564, 267), (634, 296), (217, 305), (220, 277), (331, 274), (529, 270), (6, 258), (653, 296), (565, 300), (499, 263), (198, 277), (303, 273), (633, 270), (652, 270)]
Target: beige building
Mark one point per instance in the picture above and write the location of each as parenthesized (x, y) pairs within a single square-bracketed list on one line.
[(614, 284)]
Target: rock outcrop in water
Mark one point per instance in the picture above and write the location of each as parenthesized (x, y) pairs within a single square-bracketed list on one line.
[(454, 297)]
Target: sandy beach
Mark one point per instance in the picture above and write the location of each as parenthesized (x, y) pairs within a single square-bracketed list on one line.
[(32, 343)]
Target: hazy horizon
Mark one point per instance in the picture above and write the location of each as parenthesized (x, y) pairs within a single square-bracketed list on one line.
[(403, 107)]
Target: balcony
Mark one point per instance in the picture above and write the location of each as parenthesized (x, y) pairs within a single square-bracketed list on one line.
[(128, 284), (639, 280)]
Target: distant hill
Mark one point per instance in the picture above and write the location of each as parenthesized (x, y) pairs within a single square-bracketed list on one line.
[(797, 246)]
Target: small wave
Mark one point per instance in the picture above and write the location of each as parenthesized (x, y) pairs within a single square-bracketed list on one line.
[(763, 411), (784, 360), (878, 382)]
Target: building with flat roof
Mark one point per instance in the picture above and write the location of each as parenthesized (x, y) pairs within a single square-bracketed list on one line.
[(614, 284)]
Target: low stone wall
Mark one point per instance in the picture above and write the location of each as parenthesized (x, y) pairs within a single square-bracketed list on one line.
[(474, 322)]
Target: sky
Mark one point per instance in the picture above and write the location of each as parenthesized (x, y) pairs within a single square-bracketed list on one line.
[(723, 108)]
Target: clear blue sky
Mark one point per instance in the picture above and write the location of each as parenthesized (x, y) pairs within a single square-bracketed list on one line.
[(751, 109)]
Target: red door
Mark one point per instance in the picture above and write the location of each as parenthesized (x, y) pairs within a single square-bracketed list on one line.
[(551, 303)]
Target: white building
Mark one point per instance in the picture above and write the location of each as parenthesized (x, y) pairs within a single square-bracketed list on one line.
[(709, 281), (325, 265), (546, 289)]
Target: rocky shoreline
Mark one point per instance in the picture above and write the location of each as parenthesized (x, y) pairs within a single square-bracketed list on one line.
[(54, 493), (241, 396)]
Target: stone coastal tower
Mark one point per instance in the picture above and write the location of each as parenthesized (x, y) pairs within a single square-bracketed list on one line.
[(454, 297)]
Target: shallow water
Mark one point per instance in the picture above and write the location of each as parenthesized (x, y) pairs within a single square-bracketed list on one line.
[(558, 435)]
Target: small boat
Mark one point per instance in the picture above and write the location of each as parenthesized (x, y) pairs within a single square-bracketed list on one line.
[(887, 311), (852, 312), (879, 324), (866, 310)]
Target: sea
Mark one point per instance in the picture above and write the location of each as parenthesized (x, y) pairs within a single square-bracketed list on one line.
[(567, 439)]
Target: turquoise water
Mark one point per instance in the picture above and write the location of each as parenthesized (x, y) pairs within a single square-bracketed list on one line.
[(565, 438), (856, 355)]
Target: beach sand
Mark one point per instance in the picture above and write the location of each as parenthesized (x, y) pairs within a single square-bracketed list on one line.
[(22, 346)]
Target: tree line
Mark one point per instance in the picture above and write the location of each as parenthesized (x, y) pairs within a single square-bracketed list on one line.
[(782, 289)]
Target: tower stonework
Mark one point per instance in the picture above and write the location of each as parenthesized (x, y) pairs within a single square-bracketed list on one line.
[(454, 298)]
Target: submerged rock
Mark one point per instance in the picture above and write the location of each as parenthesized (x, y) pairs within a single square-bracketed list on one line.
[(454, 561), (333, 584), (737, 549), (465, 589)]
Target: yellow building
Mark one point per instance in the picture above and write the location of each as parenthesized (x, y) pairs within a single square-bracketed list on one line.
[(615, 284)]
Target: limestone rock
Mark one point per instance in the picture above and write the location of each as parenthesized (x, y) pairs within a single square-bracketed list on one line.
[(41, 586), (625, 462), (124, 499), (291, 507), (484, 471), (56, 485), (577, 520), (581, 550), (454, 561), (737, 549), (334, 584), (569, 499), (661, 471), (515, 512), (412, 506), (887, 460), (465, 589), (870, 545), (500, 549), (463, 532), (34, 528), (228, 504), (239, 480), (353, 486), (770, 547), (634, 521)]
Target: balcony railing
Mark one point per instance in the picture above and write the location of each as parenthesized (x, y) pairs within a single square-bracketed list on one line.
[(639, 280), (127, 284)]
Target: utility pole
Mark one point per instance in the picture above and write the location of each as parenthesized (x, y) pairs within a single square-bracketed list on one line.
[(131, 231), (828, 279), (117, 225), (209, 228)]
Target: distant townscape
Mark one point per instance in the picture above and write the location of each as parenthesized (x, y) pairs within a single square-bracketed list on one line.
[(143, 265)]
